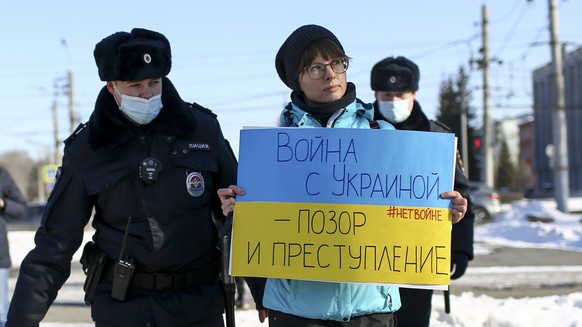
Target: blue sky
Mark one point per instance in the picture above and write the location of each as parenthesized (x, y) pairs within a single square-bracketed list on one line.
[(223, 53)]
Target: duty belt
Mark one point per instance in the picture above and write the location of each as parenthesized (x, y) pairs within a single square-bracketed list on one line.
[(169, 281)]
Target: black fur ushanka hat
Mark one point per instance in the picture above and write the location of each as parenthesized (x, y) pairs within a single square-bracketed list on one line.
[(395, 75), (133, 56)]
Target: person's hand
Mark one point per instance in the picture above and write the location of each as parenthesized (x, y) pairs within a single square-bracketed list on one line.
[(459, 263), (227, 196), (459, 205), (263, 314)]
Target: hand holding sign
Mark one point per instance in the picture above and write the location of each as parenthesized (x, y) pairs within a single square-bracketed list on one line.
[(459, 205)]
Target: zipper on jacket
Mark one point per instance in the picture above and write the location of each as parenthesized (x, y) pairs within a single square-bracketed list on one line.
[(334, 117)]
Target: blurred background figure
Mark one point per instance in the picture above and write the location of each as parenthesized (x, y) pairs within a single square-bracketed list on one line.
[(12, 206)]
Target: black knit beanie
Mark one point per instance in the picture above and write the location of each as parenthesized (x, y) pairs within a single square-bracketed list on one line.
[(395, 75), (289, 55)]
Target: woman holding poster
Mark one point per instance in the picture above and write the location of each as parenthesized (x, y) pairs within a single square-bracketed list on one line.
[(313, 64)]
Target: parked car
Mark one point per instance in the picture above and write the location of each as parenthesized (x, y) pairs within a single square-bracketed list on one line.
[(486, 204)]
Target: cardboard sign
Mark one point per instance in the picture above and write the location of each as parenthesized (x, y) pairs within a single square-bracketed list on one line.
[(348, 205)]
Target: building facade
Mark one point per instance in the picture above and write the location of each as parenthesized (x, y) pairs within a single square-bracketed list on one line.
[(527, 166), (543, 100)]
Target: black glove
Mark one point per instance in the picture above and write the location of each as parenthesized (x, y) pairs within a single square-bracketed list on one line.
[(459, 262)]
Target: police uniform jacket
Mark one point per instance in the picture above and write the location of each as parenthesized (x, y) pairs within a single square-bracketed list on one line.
[(171, 229), (462, 234)]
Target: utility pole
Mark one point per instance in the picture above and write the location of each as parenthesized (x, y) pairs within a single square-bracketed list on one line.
[(559, 127), (464, 131), (487, 169), (72, 118), (57, 156)]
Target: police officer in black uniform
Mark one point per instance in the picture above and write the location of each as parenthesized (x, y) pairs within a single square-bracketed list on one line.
[(148, 165), (395, 82)]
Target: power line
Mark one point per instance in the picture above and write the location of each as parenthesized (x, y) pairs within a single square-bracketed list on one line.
[(446, 46), (512, 30), (516, 3)]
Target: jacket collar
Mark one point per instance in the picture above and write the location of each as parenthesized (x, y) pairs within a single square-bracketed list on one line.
[(292, 115), (325, 109), (108, 128)]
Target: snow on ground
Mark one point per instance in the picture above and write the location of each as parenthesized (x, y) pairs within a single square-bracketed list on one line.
[(512, 229)]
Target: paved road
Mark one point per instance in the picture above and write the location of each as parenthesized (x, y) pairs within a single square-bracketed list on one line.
[(529, 272), (498, 272)]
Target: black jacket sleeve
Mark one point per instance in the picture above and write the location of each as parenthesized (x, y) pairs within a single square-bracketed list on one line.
[(462, 237), (46, 267), (257, 287)]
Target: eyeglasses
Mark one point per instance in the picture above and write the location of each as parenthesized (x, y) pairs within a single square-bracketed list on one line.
[(317, 71)]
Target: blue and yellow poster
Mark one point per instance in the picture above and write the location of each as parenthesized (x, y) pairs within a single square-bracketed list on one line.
[(348, 205)]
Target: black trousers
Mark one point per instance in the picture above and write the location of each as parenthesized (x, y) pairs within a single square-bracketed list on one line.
[(415, 309), (216, 321), (280, 319)]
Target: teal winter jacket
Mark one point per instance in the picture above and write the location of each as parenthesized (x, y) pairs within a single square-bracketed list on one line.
[(330, 300)]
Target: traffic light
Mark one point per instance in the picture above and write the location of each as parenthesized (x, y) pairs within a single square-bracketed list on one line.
[(477, 142)]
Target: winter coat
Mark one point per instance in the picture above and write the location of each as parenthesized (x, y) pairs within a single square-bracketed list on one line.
[(328, 300), (14, 208), (171, 230), (462, 235)]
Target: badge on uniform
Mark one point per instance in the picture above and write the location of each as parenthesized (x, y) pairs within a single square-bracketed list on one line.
[(195, 184)]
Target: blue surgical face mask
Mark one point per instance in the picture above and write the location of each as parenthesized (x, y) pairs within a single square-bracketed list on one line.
[(394, 111), (140, 110)]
